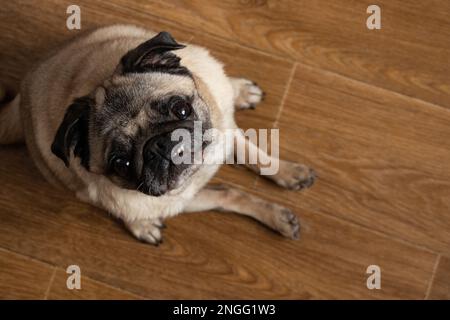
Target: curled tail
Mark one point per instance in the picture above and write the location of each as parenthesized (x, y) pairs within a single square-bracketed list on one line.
[(10, 123)]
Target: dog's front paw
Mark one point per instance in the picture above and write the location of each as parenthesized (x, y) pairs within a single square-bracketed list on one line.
[(247, 93), (286, 222), (294, 176), (147, 230)]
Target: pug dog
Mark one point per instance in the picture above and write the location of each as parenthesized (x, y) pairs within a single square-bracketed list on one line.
[(98, 118)]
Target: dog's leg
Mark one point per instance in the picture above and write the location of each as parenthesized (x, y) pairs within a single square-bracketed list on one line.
[(224, 198), (247, 94), (290, 175)]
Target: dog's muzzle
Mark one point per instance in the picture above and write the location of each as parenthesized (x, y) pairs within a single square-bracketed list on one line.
[(166, 159)]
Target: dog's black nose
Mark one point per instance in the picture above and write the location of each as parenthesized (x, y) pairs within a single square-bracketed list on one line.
[(159, 146)]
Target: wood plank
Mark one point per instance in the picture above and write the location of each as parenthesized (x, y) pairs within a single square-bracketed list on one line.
[(90, 290), (408, 55), (440, 290), (381, 158), (22, 277)]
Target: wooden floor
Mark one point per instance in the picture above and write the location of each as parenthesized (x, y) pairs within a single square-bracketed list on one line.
[(369, 110)]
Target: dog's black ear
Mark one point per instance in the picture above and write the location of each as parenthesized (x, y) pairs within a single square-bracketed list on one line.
[(154, 55), (73, 132)]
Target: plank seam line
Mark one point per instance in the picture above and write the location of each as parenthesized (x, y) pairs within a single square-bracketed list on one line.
[(106, 284), (433, 275), (25, 256), (285, 93), (280, 108), (56, 267), (50, 283)]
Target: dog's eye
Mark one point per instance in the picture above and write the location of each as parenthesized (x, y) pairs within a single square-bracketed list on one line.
[(121, 166), (181, 109)]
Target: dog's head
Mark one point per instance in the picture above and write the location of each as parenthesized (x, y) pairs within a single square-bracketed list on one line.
[(124, 128)]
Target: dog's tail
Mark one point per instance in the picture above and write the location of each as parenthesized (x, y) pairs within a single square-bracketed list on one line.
[(10, 123)]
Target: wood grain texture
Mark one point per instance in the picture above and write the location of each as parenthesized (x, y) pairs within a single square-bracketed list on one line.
[(211, 255), (381, 155), (90, 290), (408, 55), (440, 290), (381, 158), (22, 277)]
